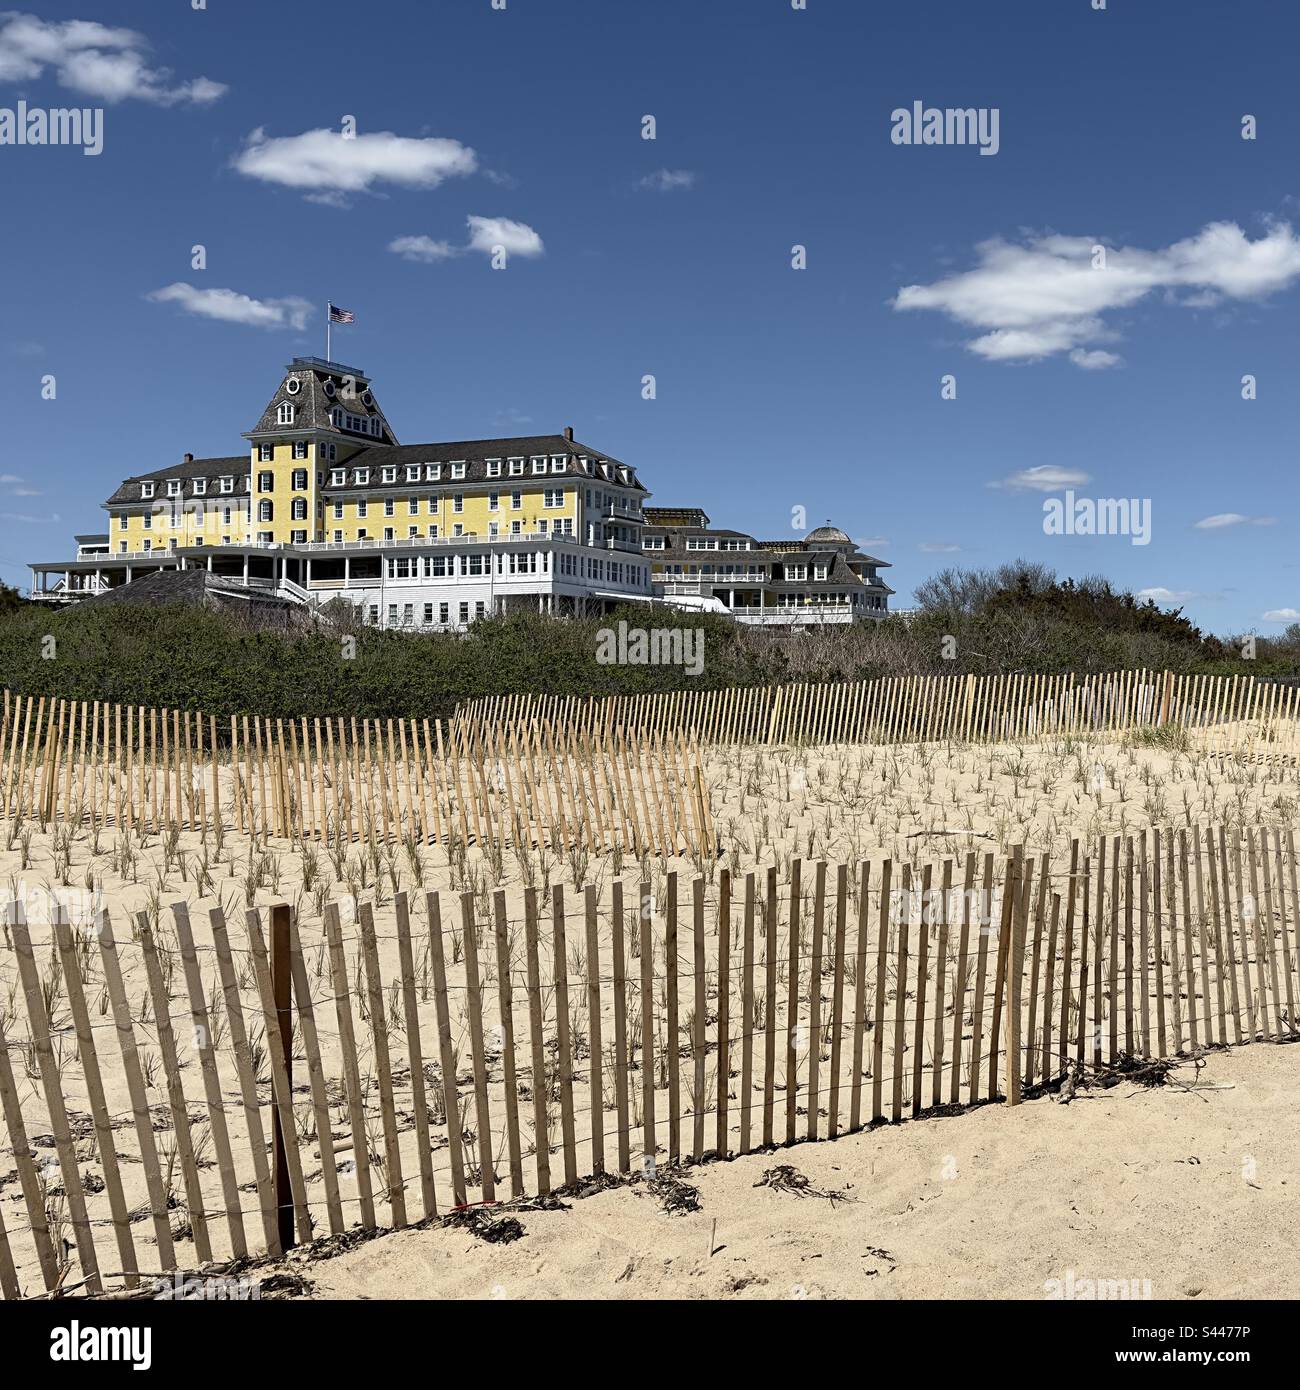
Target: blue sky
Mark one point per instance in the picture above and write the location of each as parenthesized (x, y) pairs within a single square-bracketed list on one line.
[(776, 388)]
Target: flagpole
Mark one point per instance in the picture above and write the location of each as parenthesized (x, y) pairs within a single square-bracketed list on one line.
[(327, 331)]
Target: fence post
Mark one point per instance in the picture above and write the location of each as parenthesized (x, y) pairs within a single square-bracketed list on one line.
[(282, 987)]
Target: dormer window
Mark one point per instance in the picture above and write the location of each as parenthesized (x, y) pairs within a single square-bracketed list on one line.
[(361, 475), (539, 466), (227, 484), (200, 486), (328, 387), (374, 425), (173, 487), (146, 489), (457, 470), (585, 465), (433, 472), (285, 414), (412, 472), (494, 468), (516, 467), (557, 465), (390, 475)]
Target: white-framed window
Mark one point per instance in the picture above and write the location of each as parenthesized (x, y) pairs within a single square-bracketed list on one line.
[(553, 497), (338, 536), (413, 506), (819, 571), (361, 475), (265, 453), (433, 530), (516, 468), (298, 510), (266, 510), (338, 511), (652, 542), (539, 466), (457, 471), (284, 415), (390, 475), (515, 527), (557, 465), (494, 501), (433, 506), (388, 533), (361, 508), (433, 472), (200, 486), (148, 544), (494, 468), (299, 480), (298, 537), (516, 501), (796, 573), (458, 502), (458, 530), (412, 472), (300, 448), (146, 489), (227, 484), (390, 507), (338, 477)]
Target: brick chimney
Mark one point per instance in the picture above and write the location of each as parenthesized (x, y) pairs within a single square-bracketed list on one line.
[(568, 433), (189, 458)]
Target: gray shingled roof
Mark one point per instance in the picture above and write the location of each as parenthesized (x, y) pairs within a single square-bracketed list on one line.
[(128, 490)]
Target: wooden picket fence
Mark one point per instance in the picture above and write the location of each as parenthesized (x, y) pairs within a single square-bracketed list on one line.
[(900, 709), (521, 772), (337, 781), (475, 1057)]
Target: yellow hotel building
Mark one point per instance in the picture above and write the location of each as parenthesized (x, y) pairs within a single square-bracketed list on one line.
[(326, 503)]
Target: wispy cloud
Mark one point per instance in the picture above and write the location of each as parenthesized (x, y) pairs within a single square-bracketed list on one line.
[(668, 181), (27, 519), (1047, 294), (485, 234), (1282, 615), (1045, 477), (1158, 594), (1220, 520), (95, 60), (938, 547), (422, 248), (230, 306), (327, 166)]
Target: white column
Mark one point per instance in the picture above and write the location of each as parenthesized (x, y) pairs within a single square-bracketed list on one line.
[(245, 567)]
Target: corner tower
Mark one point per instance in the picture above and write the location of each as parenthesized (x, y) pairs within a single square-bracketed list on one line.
[(321, 414)]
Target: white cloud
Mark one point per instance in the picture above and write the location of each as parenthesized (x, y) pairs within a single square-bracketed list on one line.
[(1282, 615), (1095, 360), (515, 238), (326, 166), (1046, 295), (1162, 595), (938, 547), (668, 181), (94, 60), (486, 234), (1046, 477), (229, 306), (422, 248), (26, 519), (1221, 519)]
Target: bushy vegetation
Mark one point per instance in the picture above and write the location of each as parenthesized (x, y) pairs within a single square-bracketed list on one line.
[(1017, 618)]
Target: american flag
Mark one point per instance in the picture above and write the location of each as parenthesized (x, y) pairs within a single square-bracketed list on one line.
[(338, 315)]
